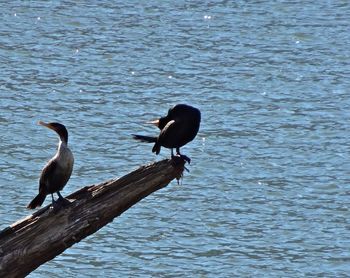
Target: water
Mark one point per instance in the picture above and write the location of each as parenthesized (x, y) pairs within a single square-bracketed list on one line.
[(268, 191)]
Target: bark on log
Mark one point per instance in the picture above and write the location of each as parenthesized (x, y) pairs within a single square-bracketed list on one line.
[(40, 237)]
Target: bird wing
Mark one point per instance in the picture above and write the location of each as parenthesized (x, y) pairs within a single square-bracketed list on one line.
[(169, 132), (46, 176)]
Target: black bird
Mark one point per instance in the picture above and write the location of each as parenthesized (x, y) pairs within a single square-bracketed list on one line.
[(179, 127), (57, 171)]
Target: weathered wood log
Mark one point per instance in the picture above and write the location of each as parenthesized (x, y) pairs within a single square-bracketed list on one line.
[(40, 237)]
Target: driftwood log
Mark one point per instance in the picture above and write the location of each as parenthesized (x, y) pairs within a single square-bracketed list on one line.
[(40, 237)]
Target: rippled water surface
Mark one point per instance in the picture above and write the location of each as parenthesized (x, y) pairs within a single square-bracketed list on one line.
[(268, 188)]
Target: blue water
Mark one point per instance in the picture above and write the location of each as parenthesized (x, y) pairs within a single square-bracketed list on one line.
[(268, 190)]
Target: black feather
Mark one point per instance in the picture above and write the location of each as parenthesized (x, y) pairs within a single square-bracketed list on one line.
[(147, 139)]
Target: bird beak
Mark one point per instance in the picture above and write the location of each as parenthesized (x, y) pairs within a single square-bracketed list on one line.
[(155, 122), (45, 124)]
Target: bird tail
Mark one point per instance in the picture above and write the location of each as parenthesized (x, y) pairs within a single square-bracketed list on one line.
[(147, 139), (37, 201), (156, 148)]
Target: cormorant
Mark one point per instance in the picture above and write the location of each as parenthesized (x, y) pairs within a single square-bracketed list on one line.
[(57, 171), (179, 127)]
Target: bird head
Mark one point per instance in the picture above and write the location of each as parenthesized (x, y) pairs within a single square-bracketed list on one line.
[(59, 128)]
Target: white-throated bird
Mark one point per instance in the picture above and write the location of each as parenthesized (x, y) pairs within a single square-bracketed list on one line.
[(57, 171)]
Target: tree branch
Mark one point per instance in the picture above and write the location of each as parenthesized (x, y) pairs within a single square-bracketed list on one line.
[(40, 237)]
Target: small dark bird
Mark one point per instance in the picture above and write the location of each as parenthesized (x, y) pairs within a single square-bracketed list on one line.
[(57, 171), (179, 127)]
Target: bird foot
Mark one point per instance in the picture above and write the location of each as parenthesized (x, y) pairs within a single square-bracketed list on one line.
[(180, 157), (186, 158), (59, 204), (176, 160), (63, 202)]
